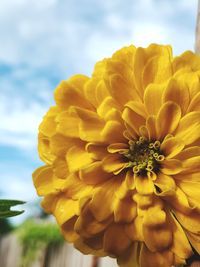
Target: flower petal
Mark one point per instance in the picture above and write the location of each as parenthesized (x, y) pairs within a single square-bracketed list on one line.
[(195, 103), (94, 173), (115, 85), (134, 229), (115, 240), (179, 202), (151, 126), (68, 124), (68, 230), (167, 119), (69, 93), (133, 119), (189, 221), (181, 246), (153, 91), (189, 128), (117, 147), (171, 147), (144, 185), (45, 181), (124, 210), (65, 209), (113, 163), (77, 158), (157, 70), (171, 166), (113, 132), (106, 193), (165, 184), (152, 259), (177, 91)]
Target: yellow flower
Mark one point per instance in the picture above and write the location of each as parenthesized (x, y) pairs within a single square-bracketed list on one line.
[(122, 154)]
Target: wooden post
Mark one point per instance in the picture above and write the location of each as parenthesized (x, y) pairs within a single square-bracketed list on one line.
[(197, 43), (95, 261)]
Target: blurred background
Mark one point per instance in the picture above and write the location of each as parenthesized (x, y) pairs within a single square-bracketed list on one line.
[(43, 42)]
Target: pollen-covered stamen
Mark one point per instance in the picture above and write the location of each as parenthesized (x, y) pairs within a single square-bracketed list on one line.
[(144, 156)]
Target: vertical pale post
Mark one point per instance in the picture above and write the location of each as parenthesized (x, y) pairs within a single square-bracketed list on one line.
[(197, 45)]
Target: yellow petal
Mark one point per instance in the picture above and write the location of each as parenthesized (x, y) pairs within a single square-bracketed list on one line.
[(151, 126), (113, 132), (194, 240), (130, 181), (191, 165), (114, 163), (179, 202), (81, 245), (190, 221), (165, 184), (60, 168), (96, 151), (133, 119), (48, 125), (195, 103), (188, 177), (115, 240), (189, 152), (90, 124), (60, 144), (48, 202), (156, 231), (118, 147), (65, 209), (161, 55), (167, 119), (177, 91), (143, 202), (188, 58), (134, 229), (93, 173), (154, 217), (144, 185), (157, 70), (101, 91), (106, 193), (138, 107), (130, 256), (181, 246), (190, 188), (171, 147), (189, 127), (124, 210), (75, 188), (107, 104), (87, 226), (77, 158), (68, 124), (44, 181), (152, 259), (171, 166), (122, 96), (68, 230), (70, 93), (153, 92)]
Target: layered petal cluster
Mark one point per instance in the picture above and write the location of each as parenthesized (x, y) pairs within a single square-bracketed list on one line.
[(122, 158)]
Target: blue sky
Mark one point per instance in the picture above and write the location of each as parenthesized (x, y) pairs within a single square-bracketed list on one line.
[(43, 42)]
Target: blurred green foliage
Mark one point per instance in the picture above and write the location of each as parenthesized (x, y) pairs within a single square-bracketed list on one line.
[(6, 205), (35, 236), (5, 227)]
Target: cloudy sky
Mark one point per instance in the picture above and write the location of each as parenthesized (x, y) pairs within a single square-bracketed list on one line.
[(43, 42)]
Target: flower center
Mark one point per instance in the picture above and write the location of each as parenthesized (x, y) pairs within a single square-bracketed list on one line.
[(144, 156)]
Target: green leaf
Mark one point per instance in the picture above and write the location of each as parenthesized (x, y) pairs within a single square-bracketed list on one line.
[(5, 208)]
